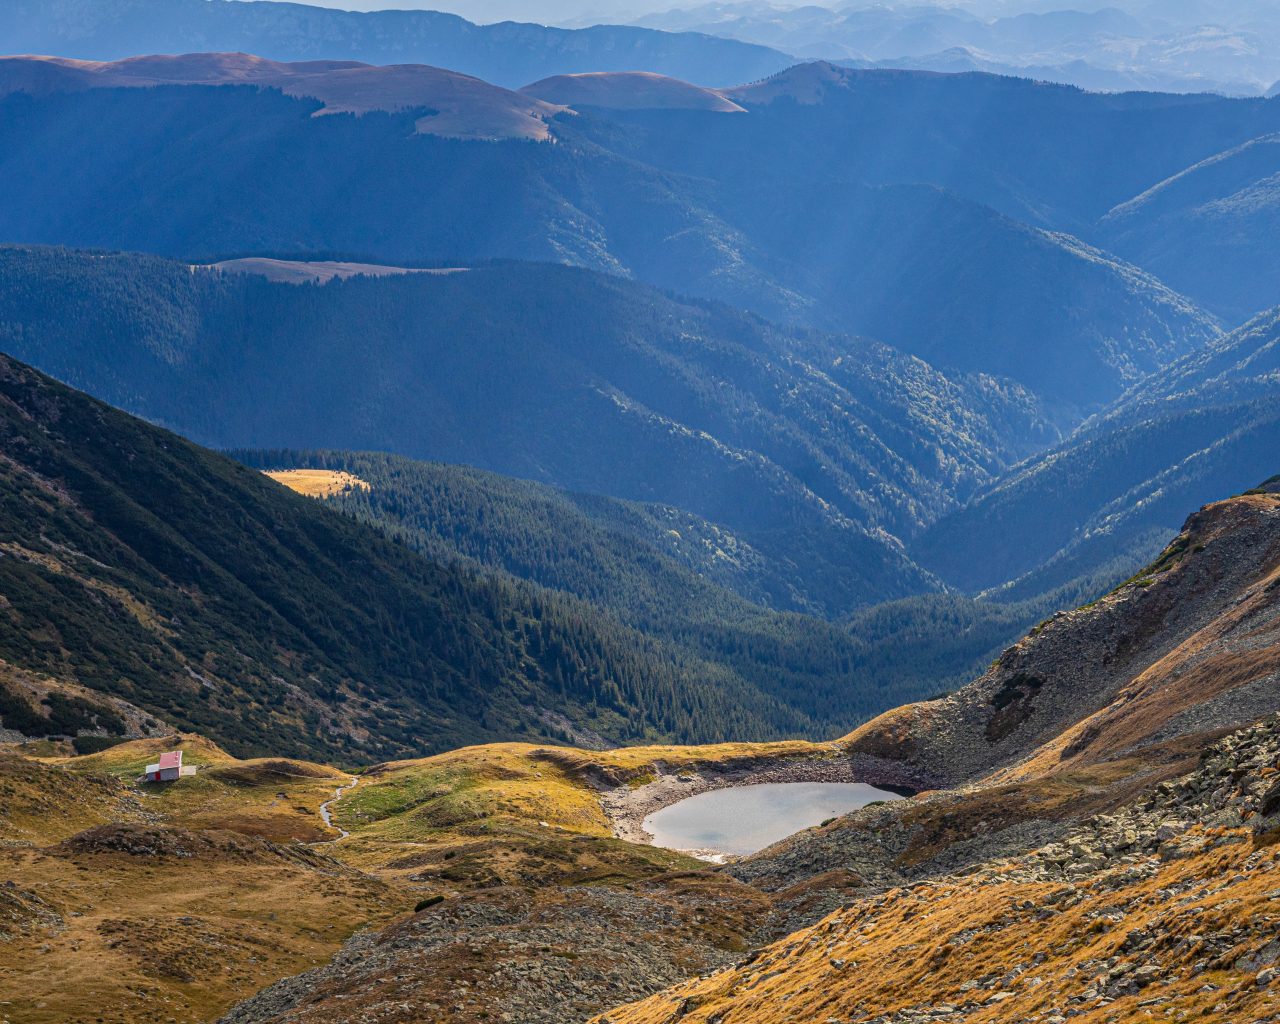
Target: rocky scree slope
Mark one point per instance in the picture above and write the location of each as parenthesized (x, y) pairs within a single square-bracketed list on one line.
[(507, 955), (1166, 908), (1188, 646)]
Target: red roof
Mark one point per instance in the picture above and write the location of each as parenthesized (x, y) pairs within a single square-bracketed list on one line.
[(173, 759)]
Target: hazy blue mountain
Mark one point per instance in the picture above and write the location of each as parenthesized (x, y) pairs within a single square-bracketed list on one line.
[(1082, 73), (817, 450), (509, 53), (1210, 229), (885, 30), (1204, 427), (774, 215), (1231, 50)]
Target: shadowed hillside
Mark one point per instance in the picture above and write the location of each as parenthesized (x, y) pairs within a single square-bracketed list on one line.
[(815, 450), (1208, 229), (148, 581), (680, 579), (1202, 427)]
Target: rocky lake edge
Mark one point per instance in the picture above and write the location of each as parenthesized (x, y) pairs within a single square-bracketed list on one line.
[(629, 803)]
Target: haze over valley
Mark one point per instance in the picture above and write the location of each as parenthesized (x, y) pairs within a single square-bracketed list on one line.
[(731, 514)]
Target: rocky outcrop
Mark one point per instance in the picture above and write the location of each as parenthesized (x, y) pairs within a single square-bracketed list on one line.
[(505, 954), (1164, 909), (1188, 646), (161, 843)]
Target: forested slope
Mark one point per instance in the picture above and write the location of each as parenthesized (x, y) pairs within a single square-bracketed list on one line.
[(139, 567), (1202, 427), (684, 581), (816, 450), (777, 218)]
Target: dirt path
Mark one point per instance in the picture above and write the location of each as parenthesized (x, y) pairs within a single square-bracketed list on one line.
[(326, 815)]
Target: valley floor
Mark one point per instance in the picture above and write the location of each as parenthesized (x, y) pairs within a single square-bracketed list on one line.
[(1096, 840), (486, 884)]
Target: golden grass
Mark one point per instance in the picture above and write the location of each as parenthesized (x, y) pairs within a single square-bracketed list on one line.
[(501, 782), (154, 940), (41, 804), (275, 798), (920, 946), (137, 935), (517, 813), (520, 784), (317, 483), (719, 755)]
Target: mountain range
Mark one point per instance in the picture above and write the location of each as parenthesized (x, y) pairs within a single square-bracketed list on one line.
[(822, 502), (460, 106), (434, 457), (509, 54), (816, 207), (1150, 47), (815, 450), (855, 471), (1116, 48)]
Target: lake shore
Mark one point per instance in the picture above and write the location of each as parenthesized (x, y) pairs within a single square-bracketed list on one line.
[(627, 806)]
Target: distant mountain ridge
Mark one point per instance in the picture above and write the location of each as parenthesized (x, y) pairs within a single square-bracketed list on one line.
[(449, 104), (774, 215), (1226, 50), (509, 54)]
